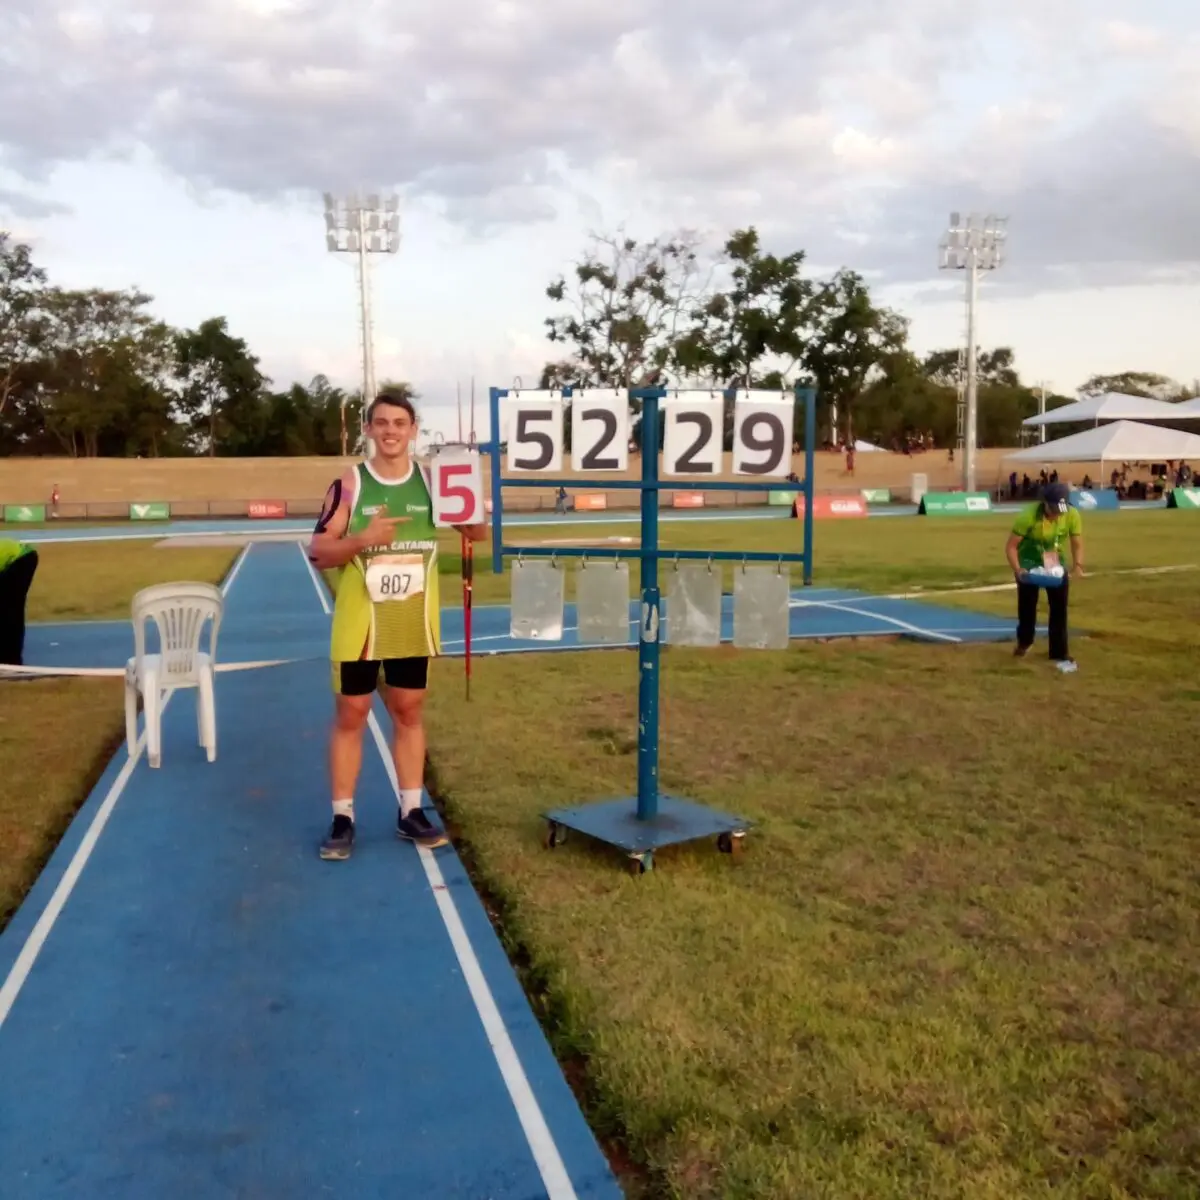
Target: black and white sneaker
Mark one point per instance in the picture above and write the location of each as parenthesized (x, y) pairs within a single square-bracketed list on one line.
[(340, 841), (417, 827)]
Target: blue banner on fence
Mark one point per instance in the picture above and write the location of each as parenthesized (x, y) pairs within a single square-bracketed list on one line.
[(1087, 501)]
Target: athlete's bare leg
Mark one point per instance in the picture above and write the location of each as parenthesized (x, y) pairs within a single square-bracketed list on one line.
[(407, 707), (345, 744)]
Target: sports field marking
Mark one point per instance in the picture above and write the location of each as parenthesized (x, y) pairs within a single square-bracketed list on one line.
[(541, 1142), (66, 885)]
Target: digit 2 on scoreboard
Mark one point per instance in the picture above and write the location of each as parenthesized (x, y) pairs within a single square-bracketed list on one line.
[(695, 424), (600, 430), (535, 432), (762, 433)]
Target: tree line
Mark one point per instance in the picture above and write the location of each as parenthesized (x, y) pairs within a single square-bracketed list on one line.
[(93, 372)]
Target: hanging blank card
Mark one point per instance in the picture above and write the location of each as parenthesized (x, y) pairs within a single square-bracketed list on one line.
[(761, 612), (602, 602), (694, 605), (537, 601)]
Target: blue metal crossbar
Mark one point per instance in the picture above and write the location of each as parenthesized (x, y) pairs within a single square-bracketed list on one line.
[(672, 820)]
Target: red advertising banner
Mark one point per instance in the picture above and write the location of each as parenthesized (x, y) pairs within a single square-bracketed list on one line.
[(687, 500), (267, 509), (832, 506)]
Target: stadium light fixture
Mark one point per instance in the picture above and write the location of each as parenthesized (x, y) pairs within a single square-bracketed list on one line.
[(972, 243), (363, 225)]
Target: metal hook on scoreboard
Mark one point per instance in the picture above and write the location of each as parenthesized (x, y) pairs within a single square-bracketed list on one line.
[(779, 566), (710, 564)]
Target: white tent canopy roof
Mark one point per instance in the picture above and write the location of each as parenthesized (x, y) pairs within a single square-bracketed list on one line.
[(1122, 441), (1108, 406), (1188, 408)]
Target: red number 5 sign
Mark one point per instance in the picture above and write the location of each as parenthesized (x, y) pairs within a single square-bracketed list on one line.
[(456, 481)]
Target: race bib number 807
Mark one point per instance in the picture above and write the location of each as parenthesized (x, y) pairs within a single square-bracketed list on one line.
[(395, 577)]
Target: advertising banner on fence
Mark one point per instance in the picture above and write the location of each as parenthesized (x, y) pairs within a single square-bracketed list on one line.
[(781, 499), (1091, 501), (267, 509), (832, 506), (877, 495), (152, 510), (24, 514), (687, 500), (591, 502), (1184, 498), (954, 504)]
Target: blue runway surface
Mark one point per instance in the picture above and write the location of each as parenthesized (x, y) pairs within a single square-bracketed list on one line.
[(195, 1005), (288, 626)]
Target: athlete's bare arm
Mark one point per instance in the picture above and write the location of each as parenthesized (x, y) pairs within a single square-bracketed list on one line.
[(331, 545)]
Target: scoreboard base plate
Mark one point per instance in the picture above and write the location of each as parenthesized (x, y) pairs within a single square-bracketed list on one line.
[(616, 823)]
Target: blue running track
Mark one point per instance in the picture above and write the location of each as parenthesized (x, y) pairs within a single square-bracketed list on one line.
[(194, 1005)]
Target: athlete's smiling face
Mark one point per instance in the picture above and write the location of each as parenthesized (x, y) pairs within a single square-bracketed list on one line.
[(392, 429)]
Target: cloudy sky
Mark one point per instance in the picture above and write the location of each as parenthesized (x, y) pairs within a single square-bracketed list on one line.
[(184, 148)]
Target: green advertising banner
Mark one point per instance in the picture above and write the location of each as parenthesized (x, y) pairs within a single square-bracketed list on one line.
[(27, 514), (954, 504), (877, 495), (152, 510), (1184, 498), (781, 499)]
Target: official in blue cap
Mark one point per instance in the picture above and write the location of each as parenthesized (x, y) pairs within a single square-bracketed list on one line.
[(1036, 552)]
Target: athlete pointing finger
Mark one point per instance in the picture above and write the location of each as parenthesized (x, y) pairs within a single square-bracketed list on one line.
[(376, 531)]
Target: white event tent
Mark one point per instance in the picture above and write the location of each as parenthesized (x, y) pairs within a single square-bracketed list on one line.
[(1108, 406), (1122, 441)]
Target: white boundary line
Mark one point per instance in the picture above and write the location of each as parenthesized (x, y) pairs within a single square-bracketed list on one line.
[(537, 1133), (66, 885)]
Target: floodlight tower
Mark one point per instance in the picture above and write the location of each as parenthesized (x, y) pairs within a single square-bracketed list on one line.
[(363, 225), (972, 244)]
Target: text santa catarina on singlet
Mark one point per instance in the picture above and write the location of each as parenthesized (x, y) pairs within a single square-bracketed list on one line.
[(387, 596)]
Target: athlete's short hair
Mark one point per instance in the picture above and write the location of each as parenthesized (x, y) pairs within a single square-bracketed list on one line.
[(396, 398)]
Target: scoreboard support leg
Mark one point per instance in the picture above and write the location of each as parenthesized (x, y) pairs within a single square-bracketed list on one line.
[(642, 824)]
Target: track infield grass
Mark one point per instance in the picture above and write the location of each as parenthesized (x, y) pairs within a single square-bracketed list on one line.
[(961, 954)]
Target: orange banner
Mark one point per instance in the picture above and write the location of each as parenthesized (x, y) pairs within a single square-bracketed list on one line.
[(592, 502), (267, 509), (687, 500)]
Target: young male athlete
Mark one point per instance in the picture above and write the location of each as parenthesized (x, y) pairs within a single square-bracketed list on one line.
[(376, 531), (1039, 539)]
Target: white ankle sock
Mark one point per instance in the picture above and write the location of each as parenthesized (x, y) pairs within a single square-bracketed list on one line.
[(343, 808), (410, 798)]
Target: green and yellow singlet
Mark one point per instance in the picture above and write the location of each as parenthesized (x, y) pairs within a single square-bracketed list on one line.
[(386, 604)]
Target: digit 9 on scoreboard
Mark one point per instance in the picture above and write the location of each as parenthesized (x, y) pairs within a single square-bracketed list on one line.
[(762, 433)]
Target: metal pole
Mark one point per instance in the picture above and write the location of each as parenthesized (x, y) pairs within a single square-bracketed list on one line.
[(972, 374), (810, 436), (497, 531), (648, 636), (1042, 412), (364, 296)]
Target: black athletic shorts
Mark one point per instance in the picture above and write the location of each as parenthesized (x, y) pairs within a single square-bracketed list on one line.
[(361, 678)]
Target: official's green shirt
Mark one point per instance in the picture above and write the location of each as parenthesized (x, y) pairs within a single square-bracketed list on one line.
[(10, 551), (1041, 535)]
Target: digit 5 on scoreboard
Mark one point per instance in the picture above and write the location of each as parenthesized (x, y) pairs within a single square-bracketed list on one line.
[(695, 424), (456, 479), (762, 433), (600, 430), (535, 432)]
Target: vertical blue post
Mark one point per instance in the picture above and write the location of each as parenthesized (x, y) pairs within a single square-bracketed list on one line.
[(648, 635), (810, 437), (497, 532)]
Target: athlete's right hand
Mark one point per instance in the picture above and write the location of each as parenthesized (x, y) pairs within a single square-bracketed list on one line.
[(381, 531)]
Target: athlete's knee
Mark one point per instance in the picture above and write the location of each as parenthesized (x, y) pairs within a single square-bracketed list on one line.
[(351, 713), (407, 707)]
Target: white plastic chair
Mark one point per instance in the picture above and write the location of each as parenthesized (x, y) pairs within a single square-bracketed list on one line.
[(179, 611)]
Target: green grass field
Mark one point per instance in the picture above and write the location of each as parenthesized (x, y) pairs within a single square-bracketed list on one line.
[(58, 734), (960, 956)]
